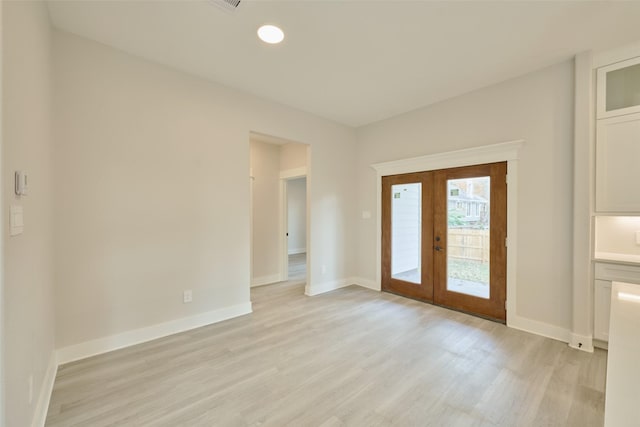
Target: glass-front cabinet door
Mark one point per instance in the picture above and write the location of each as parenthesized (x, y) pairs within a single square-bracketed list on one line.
[(618, 89)]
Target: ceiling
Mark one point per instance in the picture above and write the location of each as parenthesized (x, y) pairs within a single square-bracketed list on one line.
[(353, 61)]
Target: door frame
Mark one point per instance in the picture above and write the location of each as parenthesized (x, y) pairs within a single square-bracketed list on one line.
[(303, 171), (502, 152), (283, 245)]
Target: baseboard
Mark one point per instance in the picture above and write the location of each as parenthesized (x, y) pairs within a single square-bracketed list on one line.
[(604, 345), (326, 287), (538, 328), (297, 251), (365, 283), (341, 283), (265, 280), (42, 406), (137, 336), (581, 342)]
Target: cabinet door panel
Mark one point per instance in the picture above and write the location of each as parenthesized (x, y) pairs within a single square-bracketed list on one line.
[(602, 306), (619, 89), (617, 164)]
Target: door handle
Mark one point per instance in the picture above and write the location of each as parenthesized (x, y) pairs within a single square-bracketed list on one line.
[(437, 248)]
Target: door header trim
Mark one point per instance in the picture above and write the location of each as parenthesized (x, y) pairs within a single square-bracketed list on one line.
[(493, 153)]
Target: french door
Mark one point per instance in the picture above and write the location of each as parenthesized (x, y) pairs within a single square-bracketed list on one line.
[(444, 237)]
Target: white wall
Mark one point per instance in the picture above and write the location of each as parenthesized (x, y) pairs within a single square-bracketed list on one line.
[(293, 156), (297, 215), (538, 108), (265, 166), (154, 194), (28, 273), (2, 327)]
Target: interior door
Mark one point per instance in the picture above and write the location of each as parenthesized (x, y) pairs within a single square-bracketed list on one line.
[(407, 255), (444, 237), (470, 230)]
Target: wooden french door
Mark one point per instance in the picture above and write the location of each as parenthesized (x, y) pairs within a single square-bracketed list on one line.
[(444, 237)]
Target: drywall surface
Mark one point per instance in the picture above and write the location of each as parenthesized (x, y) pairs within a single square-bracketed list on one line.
[(293, 156), (265, 166), (538, 108), (154, 194), (297, 215), (28, 315)]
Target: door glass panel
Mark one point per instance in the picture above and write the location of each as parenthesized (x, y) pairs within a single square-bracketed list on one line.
[(468, 236), (623, 88), (406, 232)]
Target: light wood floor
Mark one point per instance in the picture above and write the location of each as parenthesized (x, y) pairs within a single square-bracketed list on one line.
[(349, 357), (298, 267)]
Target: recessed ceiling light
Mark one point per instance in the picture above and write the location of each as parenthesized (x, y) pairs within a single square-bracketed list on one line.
[(270, 34)]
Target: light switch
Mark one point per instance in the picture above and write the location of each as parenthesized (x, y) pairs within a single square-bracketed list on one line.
[(17, 221), (366, 215)]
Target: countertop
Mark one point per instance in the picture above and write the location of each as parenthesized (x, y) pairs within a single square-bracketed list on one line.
[(622, 405), (617, 258)]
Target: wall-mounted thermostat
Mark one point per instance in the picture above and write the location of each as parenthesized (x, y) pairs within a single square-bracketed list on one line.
[(21, 183)]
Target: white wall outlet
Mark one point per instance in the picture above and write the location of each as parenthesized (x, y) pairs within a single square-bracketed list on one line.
[(366, 215), (324, 270), (30, 386), (637, 237), (187, 296)]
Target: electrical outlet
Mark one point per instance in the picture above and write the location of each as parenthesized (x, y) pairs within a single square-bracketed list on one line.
[(187, 296), (324, 270), (30, 383)]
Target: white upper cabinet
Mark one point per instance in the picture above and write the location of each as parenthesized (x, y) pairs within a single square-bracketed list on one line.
[(618, 164), (619, 89), (618, 138)]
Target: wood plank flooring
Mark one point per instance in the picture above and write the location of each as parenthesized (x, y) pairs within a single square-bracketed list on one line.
[(352, 357), (298, 267)]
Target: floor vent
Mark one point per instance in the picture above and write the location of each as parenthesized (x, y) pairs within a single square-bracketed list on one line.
[(226, 5)]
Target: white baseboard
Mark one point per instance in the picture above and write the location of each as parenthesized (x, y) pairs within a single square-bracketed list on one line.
[(137, 336), (538, 328), (42, 406), (326, 287), (581, 342), (365, 283), (297, 251), (340, 283), (265, 280), (604, 345)]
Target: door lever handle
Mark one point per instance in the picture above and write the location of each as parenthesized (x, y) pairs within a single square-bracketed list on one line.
[(437, 248)]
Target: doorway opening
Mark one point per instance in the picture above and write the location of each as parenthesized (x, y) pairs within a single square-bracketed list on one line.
[(279, 214), (444, 237), (295, 199)]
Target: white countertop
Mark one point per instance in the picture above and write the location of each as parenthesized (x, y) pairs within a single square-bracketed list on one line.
[(616, 257), (622, 399)]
